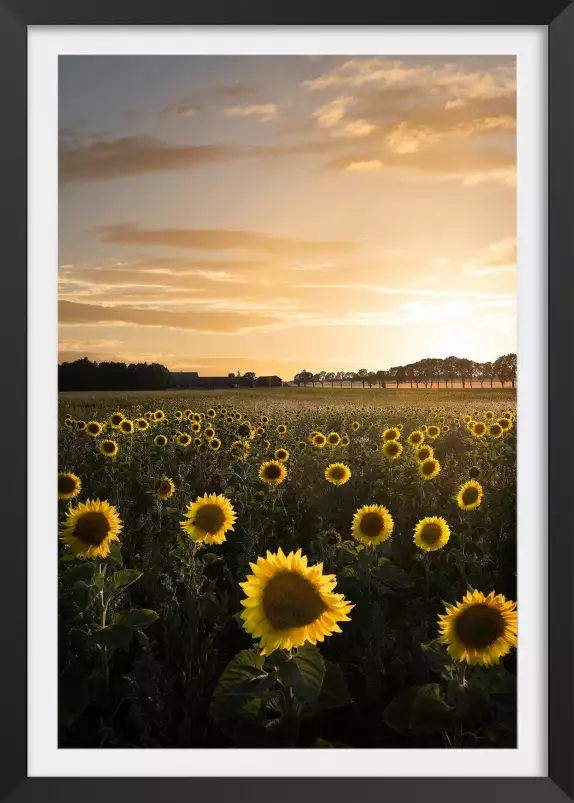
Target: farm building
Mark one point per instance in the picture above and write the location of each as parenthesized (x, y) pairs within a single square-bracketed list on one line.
[(268, 382)]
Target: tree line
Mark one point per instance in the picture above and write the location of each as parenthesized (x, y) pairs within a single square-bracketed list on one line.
[(425, 372), (84, 374)]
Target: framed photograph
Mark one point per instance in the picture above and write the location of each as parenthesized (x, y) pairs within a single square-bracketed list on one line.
[(290, 303)]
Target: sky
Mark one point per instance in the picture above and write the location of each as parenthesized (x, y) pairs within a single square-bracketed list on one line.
[(281, 213)]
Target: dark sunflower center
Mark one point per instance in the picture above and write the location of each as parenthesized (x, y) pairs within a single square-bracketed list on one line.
[(210, 518), (290, 600), (470, 495), (496, 429), (92, 528), (126, 427), (94, 428), (372, 524), (391, 435), (161, 441), (428, 467), (319, 440), (430, 533), (337, 472), (416, 438), (392, 448), (479, 626), (272, 472), (281, 454), (66, 485), (108, 446), (479, 428), (116, 419), (164, 488)]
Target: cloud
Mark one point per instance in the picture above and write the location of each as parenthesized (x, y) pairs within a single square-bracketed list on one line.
[(369, 166), (321, 267), (451, 77), (266, 111), (71, 313), (219, 240), (498, 257), (129, 156), (413, 291), (184, 110)]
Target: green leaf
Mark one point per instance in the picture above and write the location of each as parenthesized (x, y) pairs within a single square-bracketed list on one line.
[(436, 655), (124, 578), (115, 555), (137, 618), (334, 691), (112, 636), (98, 580), (397, 714), (276, 658), (322, 743), (429, 711), (242, 679), (211, 557), (304, 673), (84, 594), (83, 571), (67, 557), (392, 576)]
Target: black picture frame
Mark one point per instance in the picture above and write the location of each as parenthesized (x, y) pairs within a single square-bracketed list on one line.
[(15, 17)]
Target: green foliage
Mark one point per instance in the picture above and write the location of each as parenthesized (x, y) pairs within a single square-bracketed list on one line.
[(153, 652)]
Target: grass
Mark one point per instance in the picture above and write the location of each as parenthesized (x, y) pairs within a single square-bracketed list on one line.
[(153, 676)]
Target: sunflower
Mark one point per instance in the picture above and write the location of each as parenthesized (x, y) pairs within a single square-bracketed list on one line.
[(456, 422), (239, 450), (126, 426), (319, 440), (237, 415), (446, 428), (187, 414), (509, 415), (164, 489), (160, 440), (196, 427), (469, 495), (442, 420), (399, 427), (264, 420), (429, 468), (159, 415), (505, 423), (337, 473), (416, 438), (141, 424), (489, 415), (148, 417), (355, 425), (89, 528), (260, 431), (424, 429), (68, 421), (476, 413), (431, 533), (302, 445), (282, 455), (183, 439), (273, 473), (372, 524), (211, 413), (391, 434), (433, 431), (282, 429), (466, 419), (178, 415), (480, 629), (69, 485), (214, 444), (116, 419), (108, 448), (479, 429), (209, 518), (312, 434), (333, 439), (495, 430), (288, 602), (392, 449), (345, 440), (197, 442), (229, 419), (94, 428), (209, 432)]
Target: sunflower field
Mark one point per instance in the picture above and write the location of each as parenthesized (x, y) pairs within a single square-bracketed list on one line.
[(287, 568)]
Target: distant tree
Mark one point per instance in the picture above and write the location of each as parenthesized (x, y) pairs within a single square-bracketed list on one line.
[(340, 377), (249, 375), (371, 379), (351, 377), (505, 369), (330, 377), (382, 378), (362, 375), (464, 369)]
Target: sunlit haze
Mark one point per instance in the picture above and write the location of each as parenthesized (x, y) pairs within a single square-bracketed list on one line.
[(274, 214)]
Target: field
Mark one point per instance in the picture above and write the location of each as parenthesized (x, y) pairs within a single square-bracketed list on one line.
[(153, 650)]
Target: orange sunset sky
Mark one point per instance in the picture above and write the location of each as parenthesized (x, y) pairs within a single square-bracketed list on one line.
[(275, 213)]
